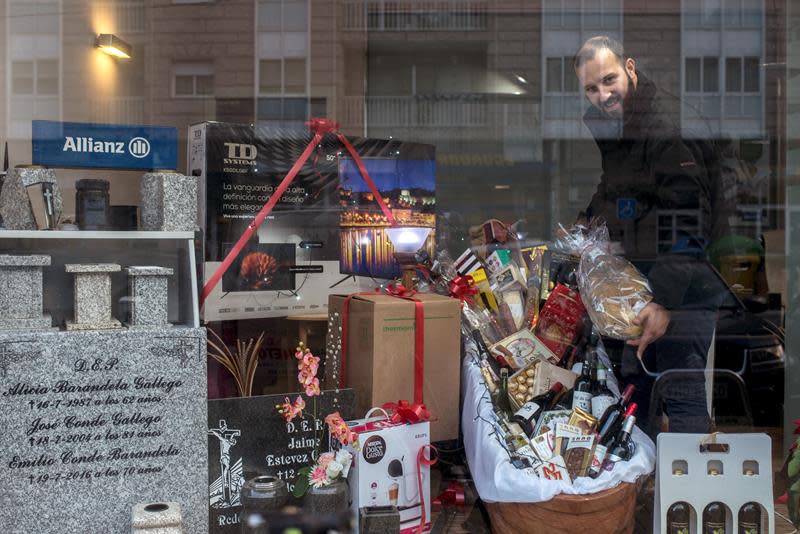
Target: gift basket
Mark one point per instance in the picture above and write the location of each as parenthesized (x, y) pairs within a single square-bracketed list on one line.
[(549, 438)]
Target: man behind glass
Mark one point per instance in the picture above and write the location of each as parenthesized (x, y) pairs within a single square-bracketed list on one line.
[(650, 166)]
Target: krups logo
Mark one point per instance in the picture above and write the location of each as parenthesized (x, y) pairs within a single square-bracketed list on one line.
[(374, 449), (139, 147), (241, 154)]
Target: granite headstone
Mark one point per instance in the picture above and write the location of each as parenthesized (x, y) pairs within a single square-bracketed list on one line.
[(169, 202), (147, 296), (15, 205), (92, 296), (247, 437), (95, 422), (21, 292)]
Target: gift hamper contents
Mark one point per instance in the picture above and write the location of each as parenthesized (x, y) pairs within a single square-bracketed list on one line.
[(536, 316)]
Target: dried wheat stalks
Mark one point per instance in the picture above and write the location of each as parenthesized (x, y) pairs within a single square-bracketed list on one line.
[(242, 365)]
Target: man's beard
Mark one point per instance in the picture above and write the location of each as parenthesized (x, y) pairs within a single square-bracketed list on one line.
[(623, 102)]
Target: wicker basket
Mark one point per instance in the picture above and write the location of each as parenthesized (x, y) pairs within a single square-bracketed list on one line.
[(607, 512)]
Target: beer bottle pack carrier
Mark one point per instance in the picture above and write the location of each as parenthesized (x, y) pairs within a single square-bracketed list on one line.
[(732, 455)]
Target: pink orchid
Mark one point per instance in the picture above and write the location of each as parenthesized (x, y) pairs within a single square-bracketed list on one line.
[(312, 389), (289, 410), (318, 478), (339, 430)]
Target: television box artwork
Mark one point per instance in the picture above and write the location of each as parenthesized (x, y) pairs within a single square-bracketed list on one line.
[(407, 186), (238, 167)]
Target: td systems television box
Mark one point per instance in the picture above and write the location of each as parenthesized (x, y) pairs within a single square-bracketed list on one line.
[(380, 356), (326, 230)]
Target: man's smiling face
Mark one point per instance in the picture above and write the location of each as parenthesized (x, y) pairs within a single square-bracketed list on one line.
[(607, 82)]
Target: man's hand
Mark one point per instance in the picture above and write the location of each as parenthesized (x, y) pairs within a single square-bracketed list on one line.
[(654, 320)]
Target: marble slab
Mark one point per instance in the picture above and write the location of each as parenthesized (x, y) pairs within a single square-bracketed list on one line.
[(247, 437), (103, 420)]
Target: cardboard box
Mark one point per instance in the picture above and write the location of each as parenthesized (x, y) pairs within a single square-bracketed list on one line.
[(380, 355), (384, 471)]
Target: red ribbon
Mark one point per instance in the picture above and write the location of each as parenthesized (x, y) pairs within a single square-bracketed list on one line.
[(462, 288), (395, 290), (405, 412), (319, 127), (453, 494), (429, 461)]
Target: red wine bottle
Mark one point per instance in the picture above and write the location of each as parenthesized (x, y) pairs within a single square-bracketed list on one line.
[(611, 421), (621, 448)]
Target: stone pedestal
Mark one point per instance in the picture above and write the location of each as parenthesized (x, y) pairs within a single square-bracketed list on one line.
[(169, 202), (147, 296), (21, 292), (92, 296), (15, 207), (156, 518)]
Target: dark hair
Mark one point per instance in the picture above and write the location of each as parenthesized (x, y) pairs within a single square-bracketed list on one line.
[(595, 44)]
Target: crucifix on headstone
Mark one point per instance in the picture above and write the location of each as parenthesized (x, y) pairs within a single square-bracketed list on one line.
[(49, 205), (227, 439)]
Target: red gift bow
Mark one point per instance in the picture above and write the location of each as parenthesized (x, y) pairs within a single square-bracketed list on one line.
[(399, 291), (405, 412), (462, 288), (319, 127), (452, 494), (422, 460)]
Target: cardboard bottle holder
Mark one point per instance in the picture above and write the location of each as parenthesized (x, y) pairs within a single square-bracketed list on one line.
[(731, 455)]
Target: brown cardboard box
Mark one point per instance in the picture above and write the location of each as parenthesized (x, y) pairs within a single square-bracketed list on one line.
[(380, 356)]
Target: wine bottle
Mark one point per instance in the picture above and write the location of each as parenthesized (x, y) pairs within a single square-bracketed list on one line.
[(621, 447), (529, 413), (678, 518), (602, 397), (503, 404), (611, 421), (750, 518), (582, 389), (605, 440), (714, 518)]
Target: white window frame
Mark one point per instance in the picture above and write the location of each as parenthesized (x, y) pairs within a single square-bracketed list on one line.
[(194, 70)]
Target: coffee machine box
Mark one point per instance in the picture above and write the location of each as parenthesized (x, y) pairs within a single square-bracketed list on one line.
[(384, 471)]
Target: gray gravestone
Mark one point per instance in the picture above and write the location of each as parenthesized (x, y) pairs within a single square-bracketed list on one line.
[(247, 437), (92, 296), (96, 422), (21, 292), (15, 206), (147, 296), (169, 202)]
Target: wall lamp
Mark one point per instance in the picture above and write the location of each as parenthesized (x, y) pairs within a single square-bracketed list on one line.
[(113, 45)]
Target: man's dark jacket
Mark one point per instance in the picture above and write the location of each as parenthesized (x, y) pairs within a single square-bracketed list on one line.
[(648, 158)]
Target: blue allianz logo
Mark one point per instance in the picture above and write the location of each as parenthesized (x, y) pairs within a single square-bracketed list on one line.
[(108, 146)]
